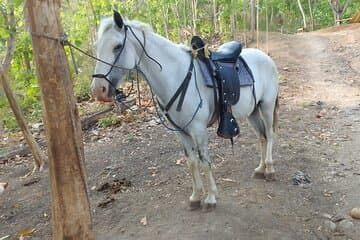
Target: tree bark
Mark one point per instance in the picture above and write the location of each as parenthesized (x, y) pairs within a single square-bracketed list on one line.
[(71, 217)]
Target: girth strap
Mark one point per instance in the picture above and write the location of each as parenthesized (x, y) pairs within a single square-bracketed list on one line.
[(181, 90)]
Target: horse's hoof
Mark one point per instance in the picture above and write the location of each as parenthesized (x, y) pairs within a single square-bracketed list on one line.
[(209, 207), (258, 175), (195, 205), (270, 177)]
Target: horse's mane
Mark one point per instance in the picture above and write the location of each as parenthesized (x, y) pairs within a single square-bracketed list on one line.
[(108, 22)]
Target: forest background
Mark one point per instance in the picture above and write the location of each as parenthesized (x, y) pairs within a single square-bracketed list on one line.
[(177, 20)]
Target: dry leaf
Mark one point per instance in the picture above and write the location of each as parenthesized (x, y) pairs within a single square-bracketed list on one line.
[(25, 232), (180, 161), (143, 221)]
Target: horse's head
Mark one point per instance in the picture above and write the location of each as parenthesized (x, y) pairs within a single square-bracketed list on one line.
[(117, 50)]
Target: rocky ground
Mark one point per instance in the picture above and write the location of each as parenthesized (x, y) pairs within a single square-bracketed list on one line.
[(139, 183)]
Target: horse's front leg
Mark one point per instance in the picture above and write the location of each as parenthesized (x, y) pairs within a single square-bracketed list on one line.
[(193, 164), (202, 143)]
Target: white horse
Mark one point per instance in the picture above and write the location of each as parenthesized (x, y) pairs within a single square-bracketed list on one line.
[(133, 45)]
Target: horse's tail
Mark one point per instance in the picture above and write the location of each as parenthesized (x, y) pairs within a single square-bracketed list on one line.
[(276, 115)]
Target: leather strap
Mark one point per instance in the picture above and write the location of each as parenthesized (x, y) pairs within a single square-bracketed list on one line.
[(181, 90)]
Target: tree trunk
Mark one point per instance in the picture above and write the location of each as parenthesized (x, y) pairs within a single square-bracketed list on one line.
[(245, 20), (233, 19), (214, 16), (194, 15), (303, 14), (311, 16), (257, 24), (30, 140), (39, 157), (71, 217), (338, 10), (253, 18)]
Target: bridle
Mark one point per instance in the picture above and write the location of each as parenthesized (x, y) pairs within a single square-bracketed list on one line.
[(119, 94)]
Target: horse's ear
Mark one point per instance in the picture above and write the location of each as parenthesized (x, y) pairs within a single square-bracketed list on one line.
[(118, 19)]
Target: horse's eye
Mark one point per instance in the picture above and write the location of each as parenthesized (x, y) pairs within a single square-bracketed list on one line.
[(117, 47)]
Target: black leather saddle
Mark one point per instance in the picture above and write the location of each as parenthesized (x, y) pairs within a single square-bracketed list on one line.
[(228, 52), (223, 64)]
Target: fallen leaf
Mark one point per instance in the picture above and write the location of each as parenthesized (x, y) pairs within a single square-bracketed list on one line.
[(25, 232), (143, 221), (180, 161), (5, 237)]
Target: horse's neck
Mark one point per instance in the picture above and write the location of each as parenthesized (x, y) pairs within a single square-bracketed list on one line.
[(174, 61)]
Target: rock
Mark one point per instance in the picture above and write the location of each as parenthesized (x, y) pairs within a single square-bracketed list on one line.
[(300, 178), (338, 217), (326, 216), (322, 113), (329, 226), (345, 225), (355, 213)]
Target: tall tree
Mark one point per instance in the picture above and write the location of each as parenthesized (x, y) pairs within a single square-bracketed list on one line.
[(194, 10), (71, 217), (302, 14), (338, 10), (311, 15), (253, 12)]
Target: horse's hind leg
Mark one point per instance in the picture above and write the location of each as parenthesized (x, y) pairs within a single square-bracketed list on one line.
[(267, 111), (193, 164), (257, 122)]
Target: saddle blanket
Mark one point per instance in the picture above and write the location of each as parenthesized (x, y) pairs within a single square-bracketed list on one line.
[(241, 67)]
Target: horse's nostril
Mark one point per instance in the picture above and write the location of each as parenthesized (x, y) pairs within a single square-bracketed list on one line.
[(103, 89)]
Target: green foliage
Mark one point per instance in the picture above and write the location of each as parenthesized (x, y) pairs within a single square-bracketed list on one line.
[(111, 120)]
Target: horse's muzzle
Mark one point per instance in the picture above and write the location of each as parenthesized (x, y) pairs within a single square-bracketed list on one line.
[(102, 90)]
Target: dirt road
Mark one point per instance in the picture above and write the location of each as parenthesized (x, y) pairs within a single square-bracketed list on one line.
[(319, 135)]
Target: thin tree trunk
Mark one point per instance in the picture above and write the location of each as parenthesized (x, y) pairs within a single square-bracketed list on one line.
[(194, 14), (214, 16), (245, 27), (164, 10), (30, 140), (71, 217), (311, 16), (257, 24), (303, 14), (233, 19), (338, 10), (253, 18), (267, 28), (39, 157)]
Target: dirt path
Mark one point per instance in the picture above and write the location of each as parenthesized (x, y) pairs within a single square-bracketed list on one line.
[(319, 135)]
